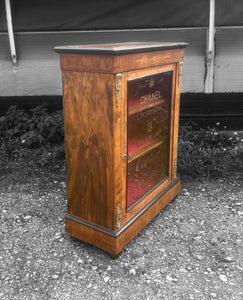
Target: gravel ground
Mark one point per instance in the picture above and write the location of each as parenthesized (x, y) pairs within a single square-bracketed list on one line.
[(193, 249)]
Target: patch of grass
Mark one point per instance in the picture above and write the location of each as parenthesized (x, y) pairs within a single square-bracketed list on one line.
[(37, 135), (208, 152)]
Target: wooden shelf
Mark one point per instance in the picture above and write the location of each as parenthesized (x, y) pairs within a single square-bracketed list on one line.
[(144, 150), (144, 107)]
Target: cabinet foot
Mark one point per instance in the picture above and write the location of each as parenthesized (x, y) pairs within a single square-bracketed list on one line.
[(75, 239), (114, 256)]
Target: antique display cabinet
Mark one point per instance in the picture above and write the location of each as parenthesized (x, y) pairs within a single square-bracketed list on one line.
[(121, 112)]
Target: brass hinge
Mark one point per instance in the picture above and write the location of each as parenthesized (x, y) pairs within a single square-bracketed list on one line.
[(180, 64), (125, 156), (118, 87)]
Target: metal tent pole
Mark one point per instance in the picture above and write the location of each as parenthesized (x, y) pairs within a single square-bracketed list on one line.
[(10, 32), (210, 52)]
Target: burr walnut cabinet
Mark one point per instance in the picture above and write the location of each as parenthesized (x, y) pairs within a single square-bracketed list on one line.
[(121, 112)]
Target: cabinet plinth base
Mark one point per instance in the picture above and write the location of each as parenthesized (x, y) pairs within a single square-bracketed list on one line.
[(114, 241)]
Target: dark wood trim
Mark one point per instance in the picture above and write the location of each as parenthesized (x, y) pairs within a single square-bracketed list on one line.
[(118, 48), (116, 233), (91, 225)]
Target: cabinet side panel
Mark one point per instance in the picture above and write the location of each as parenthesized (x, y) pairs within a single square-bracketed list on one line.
[(88, 116)]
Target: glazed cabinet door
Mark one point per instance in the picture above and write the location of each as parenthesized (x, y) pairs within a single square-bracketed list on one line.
[(149, 101)]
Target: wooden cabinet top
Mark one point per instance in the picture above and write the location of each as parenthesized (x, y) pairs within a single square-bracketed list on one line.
[(118, 48)]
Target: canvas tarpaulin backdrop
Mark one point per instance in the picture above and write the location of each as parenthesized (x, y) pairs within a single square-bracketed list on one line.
[(60, 15)]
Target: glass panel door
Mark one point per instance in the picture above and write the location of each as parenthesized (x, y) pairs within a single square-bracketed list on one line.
[(149, 101)]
